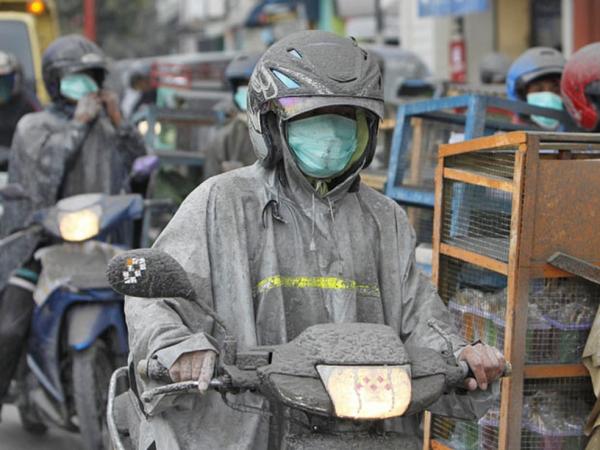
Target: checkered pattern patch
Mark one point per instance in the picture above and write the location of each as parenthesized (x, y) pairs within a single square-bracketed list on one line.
[(135, 270)]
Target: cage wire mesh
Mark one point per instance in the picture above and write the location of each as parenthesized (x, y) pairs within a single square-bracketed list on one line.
[(498, 163), (560, 314), (553, 418), (418, 164), (477, 219)]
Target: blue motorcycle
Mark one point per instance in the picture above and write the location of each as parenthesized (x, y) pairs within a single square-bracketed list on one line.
[(78, 333)]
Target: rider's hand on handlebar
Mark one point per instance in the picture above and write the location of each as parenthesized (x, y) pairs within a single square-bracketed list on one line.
[(487, 364), (193, 366), (87, 108)]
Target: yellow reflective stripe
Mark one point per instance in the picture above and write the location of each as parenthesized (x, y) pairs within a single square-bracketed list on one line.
[(280, 281)]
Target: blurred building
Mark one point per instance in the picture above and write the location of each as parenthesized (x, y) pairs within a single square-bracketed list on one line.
[(426, 27)]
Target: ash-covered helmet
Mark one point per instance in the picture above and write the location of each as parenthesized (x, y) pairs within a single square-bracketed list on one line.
[(70, 54), (306, 71), (240, 69), (580, 86), (493, 68), (535, 63), (10, 71)]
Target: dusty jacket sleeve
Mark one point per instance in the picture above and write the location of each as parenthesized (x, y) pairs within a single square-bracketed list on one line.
[(422, 305), (167, 328), (40, 155)]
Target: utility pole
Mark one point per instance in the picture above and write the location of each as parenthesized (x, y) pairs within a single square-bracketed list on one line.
[(89, 19)]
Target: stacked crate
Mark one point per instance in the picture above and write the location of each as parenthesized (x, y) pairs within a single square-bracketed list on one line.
[(503, 205)]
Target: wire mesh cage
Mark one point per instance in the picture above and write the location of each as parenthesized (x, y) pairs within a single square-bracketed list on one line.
[(504, 206), (554, 412), (477, 219), (419, 164)]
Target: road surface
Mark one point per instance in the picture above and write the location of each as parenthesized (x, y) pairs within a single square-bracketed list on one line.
[(13, 437)]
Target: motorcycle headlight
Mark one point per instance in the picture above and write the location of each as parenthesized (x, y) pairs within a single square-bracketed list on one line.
[(143, 127), (367, 392), (79, 225)]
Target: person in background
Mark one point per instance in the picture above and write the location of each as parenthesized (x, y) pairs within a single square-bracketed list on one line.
[(15, 102), (141, 90), (78, 145), (231, 148), (493, 68), (580, 87), (534, 77)]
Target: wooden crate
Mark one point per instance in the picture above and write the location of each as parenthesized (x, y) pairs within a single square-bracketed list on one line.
[(503, 205)]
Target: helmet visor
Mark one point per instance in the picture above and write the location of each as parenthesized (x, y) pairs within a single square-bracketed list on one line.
[(290, 107)]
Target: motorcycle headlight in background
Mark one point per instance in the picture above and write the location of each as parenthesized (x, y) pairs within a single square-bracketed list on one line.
[(143, 127), (367, 392), (79, 226)]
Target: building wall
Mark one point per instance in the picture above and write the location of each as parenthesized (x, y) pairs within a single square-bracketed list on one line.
[(426, 36), (586, 22), (513, 24)]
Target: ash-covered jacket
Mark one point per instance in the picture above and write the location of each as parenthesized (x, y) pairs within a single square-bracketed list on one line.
[(274, 258), (54, 157)]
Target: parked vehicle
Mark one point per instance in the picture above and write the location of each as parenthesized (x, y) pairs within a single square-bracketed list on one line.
[(315, 374)]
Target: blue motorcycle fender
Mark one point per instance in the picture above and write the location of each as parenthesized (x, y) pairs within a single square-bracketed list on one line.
[(87, 322)]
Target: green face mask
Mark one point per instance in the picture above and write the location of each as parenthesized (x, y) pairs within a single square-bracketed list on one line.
[(77, 85), (241, 97), (323, 145), (545, 100)]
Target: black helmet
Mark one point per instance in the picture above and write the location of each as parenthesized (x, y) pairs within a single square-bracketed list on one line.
[(493, 68), (239, 70), (70, 54), (305, 71)]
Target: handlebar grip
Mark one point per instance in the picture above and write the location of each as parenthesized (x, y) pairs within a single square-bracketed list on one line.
[(153, 370)]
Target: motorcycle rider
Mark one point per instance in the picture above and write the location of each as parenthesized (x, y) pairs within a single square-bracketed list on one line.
[(293, 240), (79, 144), (580, 87), (15, 102), (231, 148), (534, 77)]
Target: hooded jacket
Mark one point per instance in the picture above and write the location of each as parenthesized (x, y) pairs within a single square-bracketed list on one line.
[(273, 258), (54, 157)]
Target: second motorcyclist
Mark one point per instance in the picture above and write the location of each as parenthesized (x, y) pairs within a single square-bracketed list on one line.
[(294, 240), (231, 148), (79, 144)]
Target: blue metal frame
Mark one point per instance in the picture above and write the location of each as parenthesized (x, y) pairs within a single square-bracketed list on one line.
[(476, 123), (44, 347)]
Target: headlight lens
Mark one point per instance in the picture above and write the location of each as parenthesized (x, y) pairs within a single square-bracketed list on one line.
[(79, 225), (367, 392), (142, 127)]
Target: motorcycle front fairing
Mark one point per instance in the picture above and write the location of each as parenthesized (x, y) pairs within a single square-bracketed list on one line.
[(87, 216), (374, 375), (74, 305), (47, 332)]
